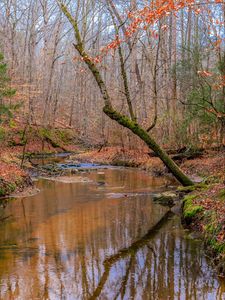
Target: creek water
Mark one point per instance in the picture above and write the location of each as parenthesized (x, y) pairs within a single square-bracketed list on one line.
[(98, 239)]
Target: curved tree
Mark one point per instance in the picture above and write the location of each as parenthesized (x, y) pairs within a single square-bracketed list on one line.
[(129, 122)]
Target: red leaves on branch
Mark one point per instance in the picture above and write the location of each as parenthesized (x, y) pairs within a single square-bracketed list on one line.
[(205, 73), (217, 81), (144, 18)]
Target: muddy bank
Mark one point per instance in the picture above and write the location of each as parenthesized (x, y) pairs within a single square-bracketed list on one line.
[(17, 148), (13, 179), (203, 211), (204, 207)]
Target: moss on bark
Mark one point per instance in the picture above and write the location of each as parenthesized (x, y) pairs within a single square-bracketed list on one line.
[(143, 134)]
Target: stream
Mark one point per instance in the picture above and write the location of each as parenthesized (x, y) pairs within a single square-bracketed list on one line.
[(101, 237)]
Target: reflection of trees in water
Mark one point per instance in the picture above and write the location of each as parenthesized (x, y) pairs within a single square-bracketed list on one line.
[(88, 252), (3, 215), (156, 266), (130, 252)]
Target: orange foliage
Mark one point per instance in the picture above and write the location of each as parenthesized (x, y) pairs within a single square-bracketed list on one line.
[(149, 15), (205, 73)]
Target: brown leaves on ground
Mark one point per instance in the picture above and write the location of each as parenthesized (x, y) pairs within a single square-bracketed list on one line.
[(213, 201), (10, 172), (34, 139), (212, 163), (126, 157)]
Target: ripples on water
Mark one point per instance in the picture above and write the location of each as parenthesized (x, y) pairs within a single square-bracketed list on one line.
[(83, 241)]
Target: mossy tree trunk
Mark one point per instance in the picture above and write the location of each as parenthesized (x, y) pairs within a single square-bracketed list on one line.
[(144, 136), (116, 116)]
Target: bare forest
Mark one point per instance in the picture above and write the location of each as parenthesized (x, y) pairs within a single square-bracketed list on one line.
[(171, 71), (96, 92)]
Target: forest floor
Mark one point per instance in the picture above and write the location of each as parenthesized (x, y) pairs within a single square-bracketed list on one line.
[(203, 205)]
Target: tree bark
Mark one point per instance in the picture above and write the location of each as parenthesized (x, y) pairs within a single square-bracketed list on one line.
[(150, 142)]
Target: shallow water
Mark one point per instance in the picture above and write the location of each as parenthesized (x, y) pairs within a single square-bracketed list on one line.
[(92, 240)]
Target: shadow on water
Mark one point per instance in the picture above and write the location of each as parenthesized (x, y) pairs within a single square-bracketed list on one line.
[(89, 241)]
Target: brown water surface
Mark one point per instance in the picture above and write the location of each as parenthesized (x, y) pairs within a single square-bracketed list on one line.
[(94, 240)]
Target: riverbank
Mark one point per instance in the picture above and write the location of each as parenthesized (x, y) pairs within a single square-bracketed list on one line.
[(203, 205), (204, 213), (12, 179), (17, 146)]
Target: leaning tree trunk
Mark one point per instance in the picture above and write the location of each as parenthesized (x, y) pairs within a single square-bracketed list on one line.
[(113, 114), (150, 142)]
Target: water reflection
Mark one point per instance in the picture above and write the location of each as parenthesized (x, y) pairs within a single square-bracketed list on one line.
[(72, 241)]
